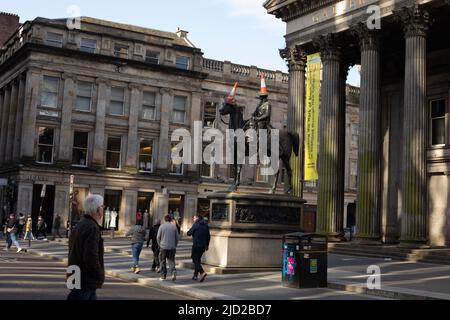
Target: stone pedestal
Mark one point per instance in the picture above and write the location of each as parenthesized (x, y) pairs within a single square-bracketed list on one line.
[(247, 230)]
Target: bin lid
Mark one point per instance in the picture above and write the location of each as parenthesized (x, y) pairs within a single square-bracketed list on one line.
[(303, 235)]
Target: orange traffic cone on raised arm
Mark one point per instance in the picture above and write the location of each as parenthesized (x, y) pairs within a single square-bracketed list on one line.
[(232, 95), (263, 91)]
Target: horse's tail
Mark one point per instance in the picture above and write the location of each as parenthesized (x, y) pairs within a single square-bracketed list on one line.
[(295, 142)]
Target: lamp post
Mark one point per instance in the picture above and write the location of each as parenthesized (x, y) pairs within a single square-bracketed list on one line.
[(69, 223)]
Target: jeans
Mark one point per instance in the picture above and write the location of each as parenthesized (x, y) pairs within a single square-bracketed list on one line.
[(76, 294), (197, 253), (14, 240), (136, 249), (28, 234), (168, 255)]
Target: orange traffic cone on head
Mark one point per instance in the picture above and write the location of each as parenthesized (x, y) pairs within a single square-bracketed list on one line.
[(263, 91), (232, 95)]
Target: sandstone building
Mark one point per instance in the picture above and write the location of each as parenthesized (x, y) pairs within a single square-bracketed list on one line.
[(100, 103)]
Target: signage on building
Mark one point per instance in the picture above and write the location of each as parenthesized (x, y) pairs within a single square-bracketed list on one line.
[(312, 117)]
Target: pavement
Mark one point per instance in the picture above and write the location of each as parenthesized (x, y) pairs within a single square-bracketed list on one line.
[(28, 277), (347, 277)]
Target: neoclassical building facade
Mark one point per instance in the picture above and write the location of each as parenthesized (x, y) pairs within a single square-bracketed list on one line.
[(403, 174), (100, 103)]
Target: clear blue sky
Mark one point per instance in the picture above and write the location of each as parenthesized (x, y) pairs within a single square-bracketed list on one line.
[(236, 30)]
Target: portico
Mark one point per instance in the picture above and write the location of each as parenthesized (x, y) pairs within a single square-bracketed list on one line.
[(396, 169)]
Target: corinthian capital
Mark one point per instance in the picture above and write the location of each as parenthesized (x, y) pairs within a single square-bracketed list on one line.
[(330, 46), (416, 21), (295, 57), (368, 39)]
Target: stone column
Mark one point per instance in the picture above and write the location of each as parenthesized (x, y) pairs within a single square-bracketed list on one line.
[(161, 205), (4, 124), (133, 143), (190, 210), (296, 59), (164, 139), (11, 121), (24, 197), (414, 166), (368, 206), (98, 159), (128, 209), (62, 196), (19, 118), (30, 110), (196, 115), (66, 137), (330, 165)]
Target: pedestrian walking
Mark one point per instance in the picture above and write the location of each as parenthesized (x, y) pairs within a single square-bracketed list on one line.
[(21, 226), (201, 237), (86, 250), (57, 227), (155, 247), (12, 230), (168, 238), (137, 234), (29, 230), (41, 229), (177, 224)]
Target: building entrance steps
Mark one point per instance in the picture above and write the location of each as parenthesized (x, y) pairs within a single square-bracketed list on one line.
[(429, 255)]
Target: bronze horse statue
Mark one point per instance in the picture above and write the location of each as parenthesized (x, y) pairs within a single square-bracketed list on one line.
[(289, 142)]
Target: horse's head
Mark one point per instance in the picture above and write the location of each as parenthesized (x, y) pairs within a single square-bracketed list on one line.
[(235, 112)]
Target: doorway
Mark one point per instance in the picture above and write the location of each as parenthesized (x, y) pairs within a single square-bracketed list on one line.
[(144, 206), (43, 204)]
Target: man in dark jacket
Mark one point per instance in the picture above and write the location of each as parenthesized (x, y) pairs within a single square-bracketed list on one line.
[(201, 237), (155, 248), (86, 250)]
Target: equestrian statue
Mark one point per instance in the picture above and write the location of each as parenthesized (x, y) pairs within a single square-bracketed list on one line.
[(261, 119)]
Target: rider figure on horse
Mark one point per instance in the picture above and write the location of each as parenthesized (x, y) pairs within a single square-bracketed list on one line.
[(263, 111)]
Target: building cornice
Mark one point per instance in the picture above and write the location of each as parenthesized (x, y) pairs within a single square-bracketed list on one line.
[(288, 10)]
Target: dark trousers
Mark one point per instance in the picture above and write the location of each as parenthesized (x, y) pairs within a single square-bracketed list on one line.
[(169, 256), (8, 240), (197, 253), (76, 294), (155, 258)]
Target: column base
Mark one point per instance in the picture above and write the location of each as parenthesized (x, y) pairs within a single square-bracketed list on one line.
[(371, 241), (333, 236), (416, 244)]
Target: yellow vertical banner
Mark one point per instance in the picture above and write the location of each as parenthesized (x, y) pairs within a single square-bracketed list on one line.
[(312, 117)]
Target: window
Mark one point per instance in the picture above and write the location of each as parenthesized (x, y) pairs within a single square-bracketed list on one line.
[(88, 45), (176, 169), (45, 145), (260, 177), (355, 134), (152, 57), (146, 156), (117, 101), (84, 96), (209, 115), (438, 122), (179, 109), (54, 39), (149, 106), (182, 62), (80, 149), (353, 174), (113, 152), (49, 95), (207, 169), (121, 51)]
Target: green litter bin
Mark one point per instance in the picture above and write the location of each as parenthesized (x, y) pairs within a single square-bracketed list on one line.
[(305, 260)]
